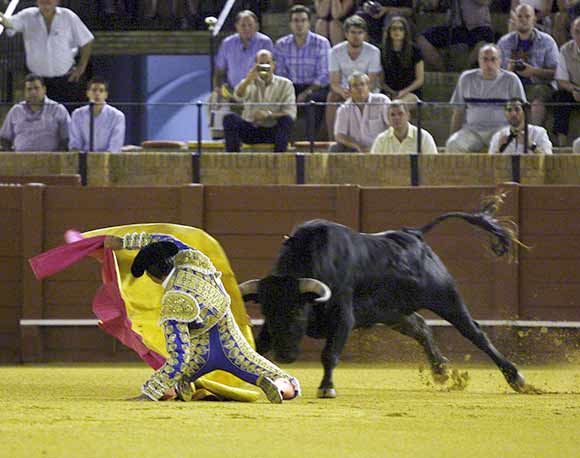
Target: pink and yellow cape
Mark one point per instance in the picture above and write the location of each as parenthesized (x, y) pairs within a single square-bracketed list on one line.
[(128, 307)]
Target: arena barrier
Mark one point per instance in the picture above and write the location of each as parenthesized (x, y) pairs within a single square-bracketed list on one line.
[(535, 296), (181, 168)]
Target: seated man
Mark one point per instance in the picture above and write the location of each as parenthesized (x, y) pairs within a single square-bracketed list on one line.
[(402, 136), (361, 118), (237, 53), (510, 139), (38, 123), (568, 78), (200, 331), (533, 55), (352, 55), (109, 123), (268, 123), (470, 25), (483, 90), (302, 57)]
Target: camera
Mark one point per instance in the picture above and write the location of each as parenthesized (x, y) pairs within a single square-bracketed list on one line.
[(373, 8), (264, 69), (519, 65)]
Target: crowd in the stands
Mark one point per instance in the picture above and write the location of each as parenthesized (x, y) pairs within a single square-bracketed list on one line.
[(354, 70)]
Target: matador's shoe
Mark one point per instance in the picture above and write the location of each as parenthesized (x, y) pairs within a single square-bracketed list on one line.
[(184, 390), (270, 389)]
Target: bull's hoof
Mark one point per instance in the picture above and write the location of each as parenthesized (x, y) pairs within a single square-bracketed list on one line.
[(326, 393), (440, 377), (518, 383)]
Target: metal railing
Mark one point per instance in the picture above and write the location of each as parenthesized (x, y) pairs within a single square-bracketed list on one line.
[(420, 112)]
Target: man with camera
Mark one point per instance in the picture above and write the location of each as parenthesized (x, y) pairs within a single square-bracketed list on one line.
[(533, 56), (510, 139), (269, 108)]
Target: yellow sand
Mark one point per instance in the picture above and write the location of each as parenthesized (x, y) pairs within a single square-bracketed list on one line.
[(381, 411)]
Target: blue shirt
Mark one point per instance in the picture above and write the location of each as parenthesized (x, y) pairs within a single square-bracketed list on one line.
[(109, 130), (237, 59), (303, 65), (540, 51)]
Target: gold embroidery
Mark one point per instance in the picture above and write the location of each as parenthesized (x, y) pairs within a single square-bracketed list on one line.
[(195, 259), (240, 353), (135, 240), (179, 306)]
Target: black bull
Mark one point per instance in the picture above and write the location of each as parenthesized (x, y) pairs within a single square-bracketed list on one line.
[(329, 279)]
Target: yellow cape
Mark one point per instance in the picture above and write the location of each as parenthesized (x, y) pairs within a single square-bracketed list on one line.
[(142, 299)]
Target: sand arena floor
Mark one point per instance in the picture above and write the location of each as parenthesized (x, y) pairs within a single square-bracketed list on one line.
[(382, 411)]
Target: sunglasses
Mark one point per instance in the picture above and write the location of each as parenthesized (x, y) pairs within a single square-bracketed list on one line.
[(489, 59), (397, 27), (514, 109)]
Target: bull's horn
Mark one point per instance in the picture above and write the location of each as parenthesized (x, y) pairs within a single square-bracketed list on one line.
[(249, 288), (311, 285)]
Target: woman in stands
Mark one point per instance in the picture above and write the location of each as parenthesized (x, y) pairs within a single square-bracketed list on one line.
[(402, 62), (330, 16)]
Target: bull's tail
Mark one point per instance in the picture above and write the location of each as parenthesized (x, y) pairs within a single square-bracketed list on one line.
[(502, 230)]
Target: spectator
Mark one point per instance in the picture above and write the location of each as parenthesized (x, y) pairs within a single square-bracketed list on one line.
[(302, 57), (38, 123), (470, 24), (542, 9), (377, 14), (347, 57), (569, 10), (237, 53), (576, 146), (51, 38), (361, 118), (510, 139), (533, 55), (330, 16), (403, 67), (568, 78), (401, 137), (270, 123), (109, 123), (484, 90), (183, 18)]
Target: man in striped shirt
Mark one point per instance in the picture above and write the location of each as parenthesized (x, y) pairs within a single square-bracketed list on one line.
[(480, 97), (302, 57)]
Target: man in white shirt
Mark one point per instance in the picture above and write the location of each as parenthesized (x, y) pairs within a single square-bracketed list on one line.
[(510, 139), (401, 137), (52, 38), (352, 55), (108, 122), (361, 118)]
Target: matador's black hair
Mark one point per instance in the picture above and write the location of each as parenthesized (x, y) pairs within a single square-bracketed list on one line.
[(156, 258)]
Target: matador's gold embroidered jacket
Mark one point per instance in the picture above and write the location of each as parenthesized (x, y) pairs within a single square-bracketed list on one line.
[(194, 292)]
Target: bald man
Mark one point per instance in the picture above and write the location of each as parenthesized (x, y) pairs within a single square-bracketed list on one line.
[(269, 108)]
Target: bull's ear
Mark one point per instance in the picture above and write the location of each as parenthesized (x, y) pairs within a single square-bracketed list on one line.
[(249, 290)]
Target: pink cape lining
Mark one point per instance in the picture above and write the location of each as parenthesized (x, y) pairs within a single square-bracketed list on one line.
[(108, 303)]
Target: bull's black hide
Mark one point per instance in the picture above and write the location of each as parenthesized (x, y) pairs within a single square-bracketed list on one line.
[(365, 279)]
